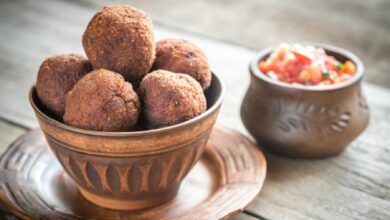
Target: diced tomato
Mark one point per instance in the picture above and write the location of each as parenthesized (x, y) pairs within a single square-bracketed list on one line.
[(348, 68), (304, 76), (302, 55), (306, 65), (263, 66), (291, 70), (331, 64), (281, 53), (274, 66), (302, 58), (315, 75)]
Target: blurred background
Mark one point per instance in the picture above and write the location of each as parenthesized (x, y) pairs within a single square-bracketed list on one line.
[(357, 25), (34, 30)]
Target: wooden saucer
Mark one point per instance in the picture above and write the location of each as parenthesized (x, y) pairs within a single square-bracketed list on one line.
[(227, 178)]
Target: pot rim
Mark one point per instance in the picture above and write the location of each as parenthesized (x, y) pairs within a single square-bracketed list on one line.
[(167, 129), (255, 71)]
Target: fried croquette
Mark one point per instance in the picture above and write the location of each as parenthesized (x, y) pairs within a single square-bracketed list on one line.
[(170, 98), (102, 101), (121, 39), (182, 56), (56, 76)]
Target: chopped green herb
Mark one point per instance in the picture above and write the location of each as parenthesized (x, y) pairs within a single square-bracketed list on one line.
[(326, 75), (340, 66)]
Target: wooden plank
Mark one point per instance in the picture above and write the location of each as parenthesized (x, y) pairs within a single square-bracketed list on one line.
[(8, 133), (377, 95), (353, 185), (30, 33)]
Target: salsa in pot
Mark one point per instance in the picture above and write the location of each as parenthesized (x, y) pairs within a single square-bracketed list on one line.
[(305, 65)]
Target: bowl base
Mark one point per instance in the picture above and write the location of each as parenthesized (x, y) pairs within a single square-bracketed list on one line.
[(126, 205)]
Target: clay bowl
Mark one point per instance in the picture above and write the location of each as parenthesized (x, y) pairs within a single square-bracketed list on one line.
[(305, 121), (130, 170)]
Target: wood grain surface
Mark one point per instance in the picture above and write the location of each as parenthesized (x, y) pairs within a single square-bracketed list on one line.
[(353, 185)]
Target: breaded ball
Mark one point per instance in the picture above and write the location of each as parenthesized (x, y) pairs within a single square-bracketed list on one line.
[(102, 101), (182, 56), (121, 39), (56, 76), (170, 98)]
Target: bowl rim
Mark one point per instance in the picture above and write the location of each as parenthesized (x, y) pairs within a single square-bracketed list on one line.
[(255, 71), (167, 129)]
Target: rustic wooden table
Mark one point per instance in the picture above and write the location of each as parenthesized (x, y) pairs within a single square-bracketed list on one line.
[(352, 185)]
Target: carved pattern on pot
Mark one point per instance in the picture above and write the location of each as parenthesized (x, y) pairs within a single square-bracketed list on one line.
[(291, 115), (147, 176)]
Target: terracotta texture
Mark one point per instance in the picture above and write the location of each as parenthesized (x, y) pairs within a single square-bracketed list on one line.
[(182, 56), (121, 39), (170, 98), (225, 180), (305, 121), (130, 170), (56, 76), (102, 101)]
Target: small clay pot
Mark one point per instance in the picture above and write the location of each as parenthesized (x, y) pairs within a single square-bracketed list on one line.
[(130, 170), (305, 121)]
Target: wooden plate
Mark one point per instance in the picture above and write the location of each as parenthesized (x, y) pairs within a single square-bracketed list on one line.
[(227, 178)]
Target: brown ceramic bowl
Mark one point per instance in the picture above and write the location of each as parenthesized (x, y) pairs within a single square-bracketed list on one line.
[(130, 170), (305, 121)]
